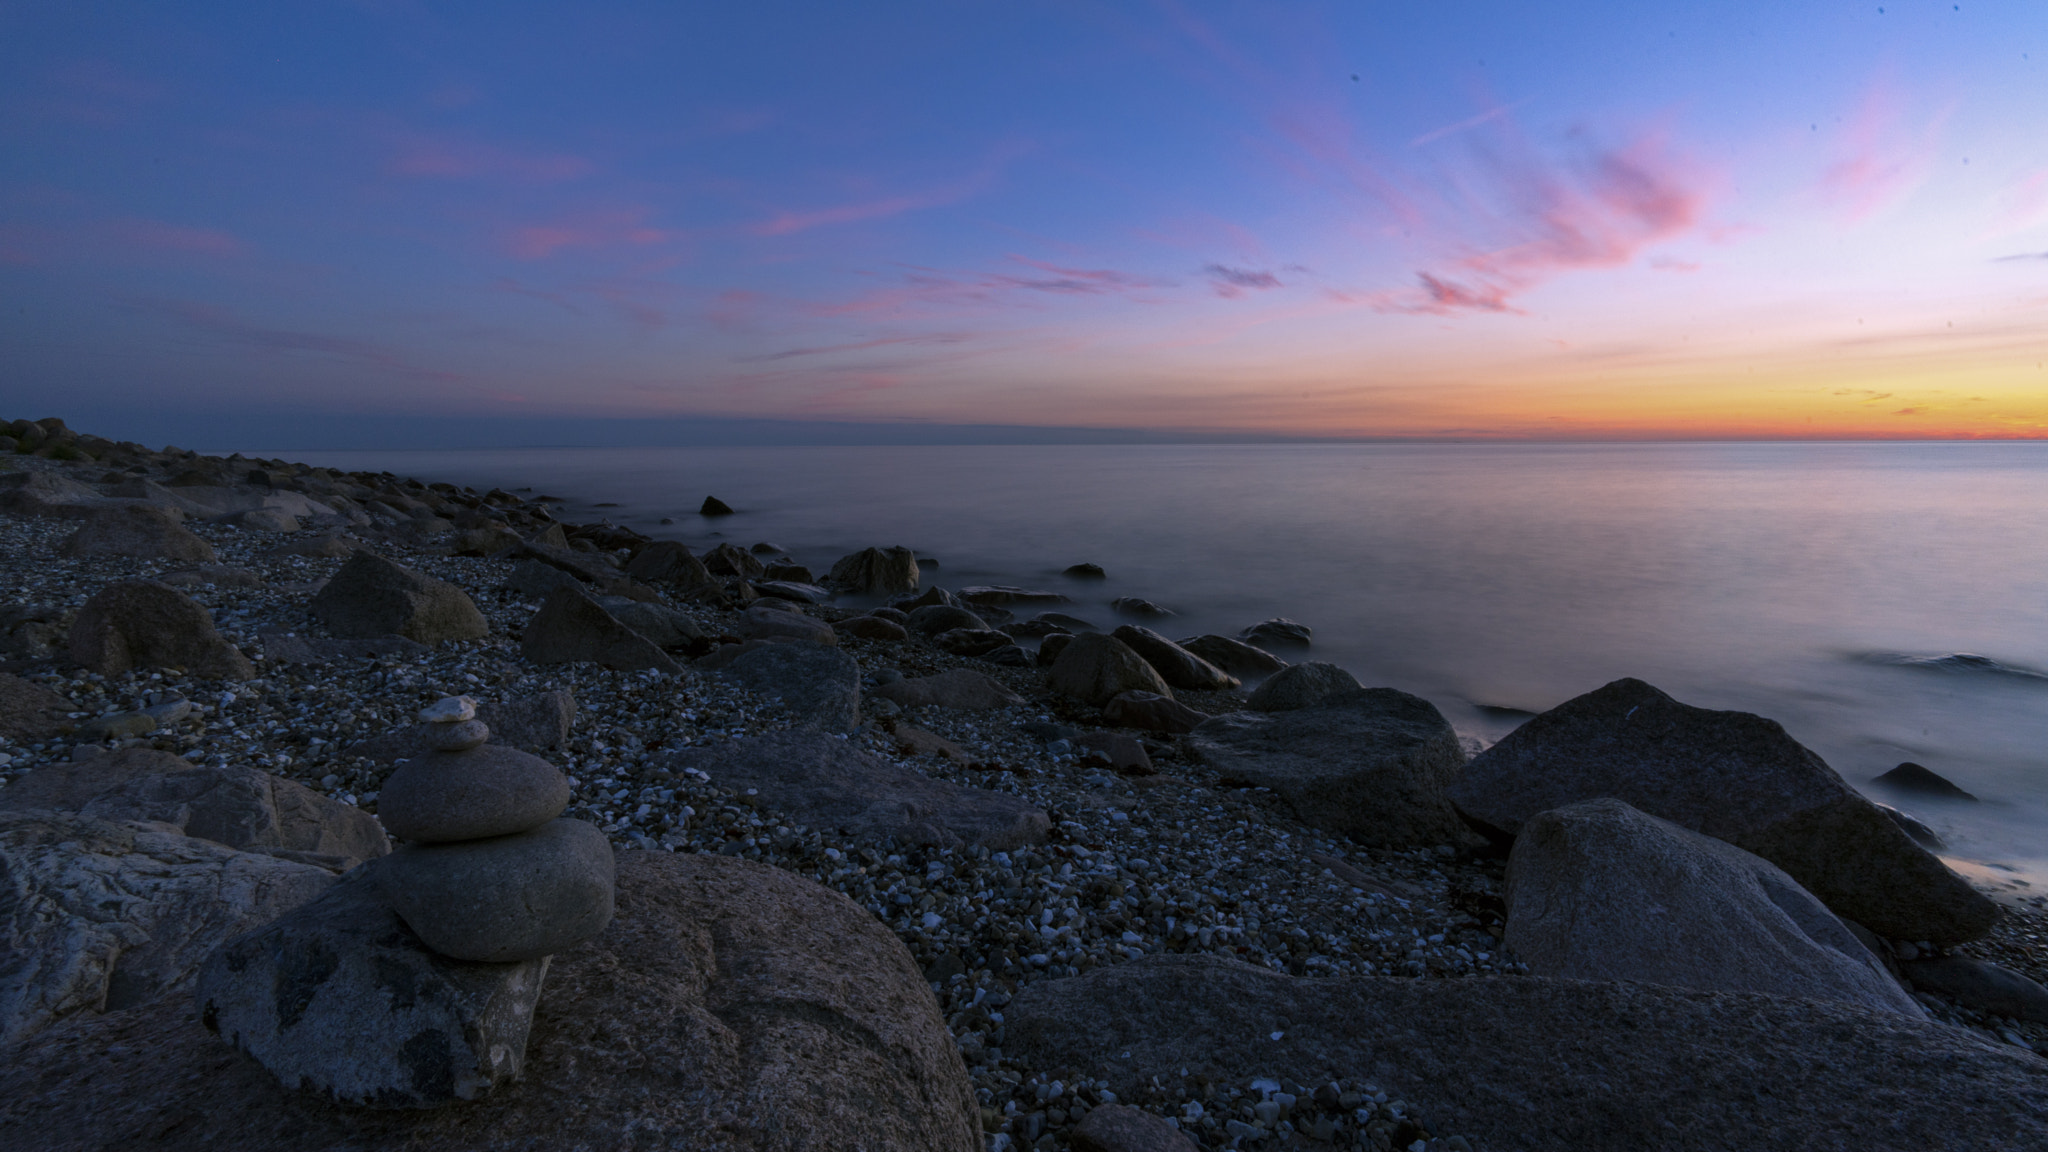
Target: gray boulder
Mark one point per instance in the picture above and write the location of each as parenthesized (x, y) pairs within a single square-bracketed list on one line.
[(761, 622), (143, 624), (1008, 595), (1278, 632), (339, 998), (1122, 1128), (730, 1004), (932, 619), (1976, 984), (872, 628), (814, 779), (971, 641), (668, 563), (876, 572), (136, 530), (1371, 764), (1234, 656), (97, 916), (817, 684), (517, 897), (46, 493), (1736, 777), (1599, 891), (1176, 665), (371, 596), (1094, 668), (957, 688), (665, 626), (536, 580), (471, 794), (1539, 1065), (1300, 686), (29, 711), (1151, 712), (732, 560), (571, 628)]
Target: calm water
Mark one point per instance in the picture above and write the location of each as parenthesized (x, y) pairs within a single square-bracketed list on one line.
[(1816, 584)]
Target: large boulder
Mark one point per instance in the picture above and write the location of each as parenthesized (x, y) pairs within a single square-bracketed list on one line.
[(97, 916), (1151, 712), (1736, 777), (668, 563), (342, 999), (814, 779), (45, 493), (819, 685), (955, 688), (1599, 891), (1176, 665), (876, 572), (766, 622), (1094, 668), (1536, 1065), (729, 1005), (1300, 686), (235, 806), (29, 711), (142, 624), (732, 560), (1371, 764), (372, 596), (933, 619), (1234, 656), (138, 530), (667, 627), (1977, 984), (571, 628)]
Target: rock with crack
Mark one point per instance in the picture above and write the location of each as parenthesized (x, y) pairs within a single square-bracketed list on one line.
[(1234, 656), (954, 688), (571, 628), (820, 686), (876, 572), (370, 596), (1736, 777), (1179, 667), (824, 782)]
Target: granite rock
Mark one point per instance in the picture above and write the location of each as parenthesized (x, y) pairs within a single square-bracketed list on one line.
[(29, 711), (1176, 665), (571, 628), (819, 685), (486, 791), (138, 530), (1981, 985), (507, 898), (876, 572), (954, 688), (1094, 668), (1301, 685), (1151, 712), (143, 624), (370, 596), (1234, 656)]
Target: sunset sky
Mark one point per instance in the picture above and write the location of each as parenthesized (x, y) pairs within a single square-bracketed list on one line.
[(1808, 219)]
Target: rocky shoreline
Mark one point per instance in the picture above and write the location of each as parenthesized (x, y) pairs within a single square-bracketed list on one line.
[(1024, 837)]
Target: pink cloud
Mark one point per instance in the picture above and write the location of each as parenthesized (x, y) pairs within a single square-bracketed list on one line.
[(1883, 157), (608, 228), (860, 346), (158, 236), (2025, 203), (936, 288), (1233, 282), (447, 159), (789, 223)]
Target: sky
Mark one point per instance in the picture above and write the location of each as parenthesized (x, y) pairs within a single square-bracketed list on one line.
[(351, 221)]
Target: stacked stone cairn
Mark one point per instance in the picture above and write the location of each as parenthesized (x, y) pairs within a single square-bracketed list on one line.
[(413, 981)]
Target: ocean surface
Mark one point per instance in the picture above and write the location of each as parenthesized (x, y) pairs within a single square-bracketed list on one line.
[(1885, 602)]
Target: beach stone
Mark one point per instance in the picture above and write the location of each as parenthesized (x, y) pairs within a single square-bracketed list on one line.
[(1151, 712), (534, 580), (332, 547), (1541, 1065), (1371, 764), (571, 628), (1135, 606), (873, 628), (1234, 656), (1301, 685), (1918, 780), (137, 530), (117, 726), (1084, 572), (370, 596), (29, 711), (665, 626), (1008, 656), (1278, 632), (1122, 1128), (819, 685), (99, 916), (486, 541), (218, 575), (266, 520), (823, 782), (1980, 984), (1006, 595), (713, 506), (507, 898), (876, 572), (971, 641), (460, 736), (542, 721), (1599, 891), (1126, 754), (285, 648), (339, 1000), (485, 791), (731, 560), (917, 742), (1094, 668), (761, 622), (668, 563), (1033, 629), (1065, 623), (46, 493), (930, 597), (955, 688), (792, 592), (933, 619), (237, 806), (729, 1004), (143, 624), (449, 710), (1736, 777), (1176, 665)]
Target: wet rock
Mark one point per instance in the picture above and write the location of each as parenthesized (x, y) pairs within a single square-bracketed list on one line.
[(507, 898), (792, 592), (1094, 668), (667, 563), (341, 1000), (1981, 985), (487, 791), (1278, 632), (1917, 780), (1005, 595), (534, 580), (136, 530), (1032, 629), (768, 622), (1084, 572), (1049, 649), (713, 506), (1179, 667), (1921, 833), (876, 572), (1371, 764), (483, 541), (1301, 685), (571, 628), (1133, 606), (925, 599), (971, 641), (731, 560), (1065, 623), (1151, 712), (933, 619), (957, 688), (1549, 1065), (266, 520), (1736, 777), (873, 628), (819, 685), (98, 916), (1234, 656), (1008, 656), (371, 596), (29, 711), (1599, 891), (143, 624), (828, 783)]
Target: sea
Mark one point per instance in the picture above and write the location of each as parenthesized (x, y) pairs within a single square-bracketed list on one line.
[(1885, 602)]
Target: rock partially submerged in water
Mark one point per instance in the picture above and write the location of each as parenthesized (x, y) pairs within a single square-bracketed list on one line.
[(1176, 665), (876, 572), (1921, 781), (1301, 685), (1094, 668)]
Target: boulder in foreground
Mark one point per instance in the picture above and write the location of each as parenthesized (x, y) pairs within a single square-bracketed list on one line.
[(729, 1005), (571, 628), (1535, 1065), (1736, 777), (141, 624), (371, 596), (1599, 891)]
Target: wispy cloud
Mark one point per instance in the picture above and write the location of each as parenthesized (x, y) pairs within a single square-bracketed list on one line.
[(229, 328), (1233, 282), (443, 158), (921, 288), (2020, 256), (1467, 124), (157, 236), (1883, 157), (594, 228), (791, 222), (931, 338)]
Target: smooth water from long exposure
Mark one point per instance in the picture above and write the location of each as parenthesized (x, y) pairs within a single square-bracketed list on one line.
[(1824, 585)]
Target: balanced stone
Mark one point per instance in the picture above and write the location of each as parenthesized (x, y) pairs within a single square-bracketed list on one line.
[(507, 898), (460, 736), (486, 791), (449, 710)]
